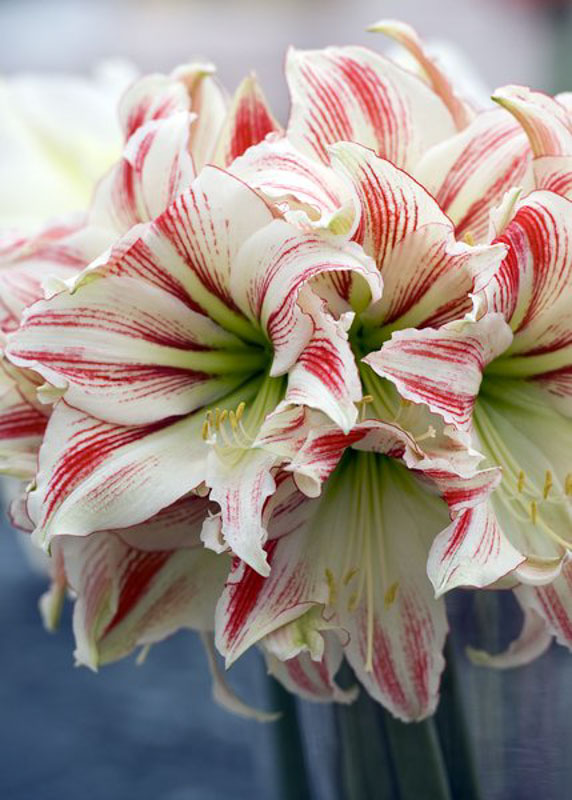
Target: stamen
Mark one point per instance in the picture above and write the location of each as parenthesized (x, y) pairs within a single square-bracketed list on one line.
[(390, 595), (568, 484), (206, 430), (331, 581), (431, 433), (240, 410), (533, 511), (521, 480), (349, 575), (547, 484), (469, 239), (353, 601)]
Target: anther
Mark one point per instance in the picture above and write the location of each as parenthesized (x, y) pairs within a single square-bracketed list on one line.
[(222, 418), (469, 239), (353, 601), (349, 575), (521, 480), (206, 430), (390, 595), (331, 586), (568, 484), (533, 511), (233, 420), (240, 410), (547, 484)]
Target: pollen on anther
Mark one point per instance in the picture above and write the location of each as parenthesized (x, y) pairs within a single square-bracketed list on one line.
[(547, 484), (533, 511)]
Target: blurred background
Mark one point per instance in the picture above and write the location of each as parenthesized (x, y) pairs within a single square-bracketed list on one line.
[(153, 732)]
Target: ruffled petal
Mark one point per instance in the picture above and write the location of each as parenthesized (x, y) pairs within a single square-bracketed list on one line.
[(353, 94), (546, 122), (273, 268), (443, 368)]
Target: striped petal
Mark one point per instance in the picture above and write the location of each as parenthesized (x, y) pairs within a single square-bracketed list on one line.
[(353, 94), (95, 476), (443, 368), (312, 679), (533, 640), (209, 103), (150, 98), (22, 426), (248, 122), (473, 551), (470, 173), (461, 112), (427, 274), (296, 182), (533, 290), (127, 352), (553, 604), (128, 597), (155, 167), (272, 269), (546, 122)]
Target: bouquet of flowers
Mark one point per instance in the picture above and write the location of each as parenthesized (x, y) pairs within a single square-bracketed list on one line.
[(289, 386)]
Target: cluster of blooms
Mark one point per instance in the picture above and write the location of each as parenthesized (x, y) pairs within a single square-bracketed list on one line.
[(288, 387)]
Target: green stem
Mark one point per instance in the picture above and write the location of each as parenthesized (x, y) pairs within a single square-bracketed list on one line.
[(290, 763), (454, 735), (417, 759)]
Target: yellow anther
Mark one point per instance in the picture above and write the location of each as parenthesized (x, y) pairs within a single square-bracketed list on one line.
[(367, 399), (406, 403), (233, 420), (206, 430), (521, 480), (240, 411), (222, 418), (547, 484), (390, 595), (469, 239), (217, 418), (349, 575), (533, 511), (331, 581), (353, 601), (568, 484)]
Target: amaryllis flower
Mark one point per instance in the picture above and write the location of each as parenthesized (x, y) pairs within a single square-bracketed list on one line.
[(515, 398), (189, 329)]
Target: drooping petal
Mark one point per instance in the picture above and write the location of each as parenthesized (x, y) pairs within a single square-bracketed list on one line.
[(533, 640), (128, 596), (248, 122), (95, 476), (443, 368), (461, 112), (155, 167), (553, 604), (472, 551), (353, 94), (469, 173), (310, 679)]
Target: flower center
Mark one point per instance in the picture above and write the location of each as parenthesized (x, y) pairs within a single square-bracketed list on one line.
[(531, 492)]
